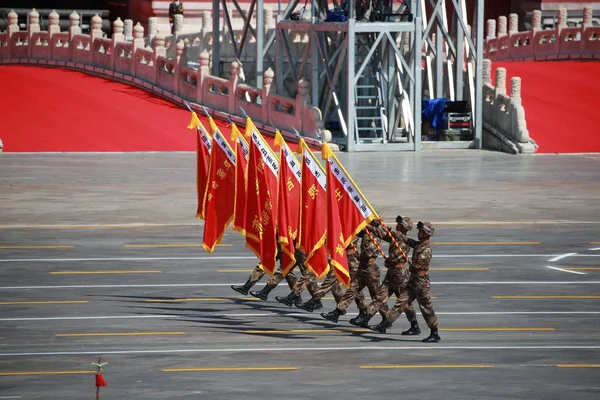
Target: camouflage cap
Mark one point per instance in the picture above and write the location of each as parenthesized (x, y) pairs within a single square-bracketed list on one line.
[(406, 222), (426, 227)]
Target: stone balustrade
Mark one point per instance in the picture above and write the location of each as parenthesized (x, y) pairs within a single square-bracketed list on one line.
[(505, 128), (504, 41), (144, 61)]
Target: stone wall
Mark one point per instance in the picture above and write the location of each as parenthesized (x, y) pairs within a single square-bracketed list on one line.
[(505, 42), (144, 61)]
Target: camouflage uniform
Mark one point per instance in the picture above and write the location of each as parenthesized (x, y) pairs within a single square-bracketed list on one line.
[(367, 275), (397, 276), (307, 281), (331, 283), (419, 283), (258, 273)]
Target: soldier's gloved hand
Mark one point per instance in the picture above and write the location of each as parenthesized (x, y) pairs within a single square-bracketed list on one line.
[(375, 223)]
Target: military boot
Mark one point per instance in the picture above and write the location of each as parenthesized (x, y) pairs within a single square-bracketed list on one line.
[(309, 305), (243, 289), (413, 330), (361, 320), (287, 300), (298, 300), (263, 294), (319, 305), (381, 327), (333, 316), (433, 337)]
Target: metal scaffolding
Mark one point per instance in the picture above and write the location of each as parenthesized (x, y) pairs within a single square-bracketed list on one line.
[(370, 63)]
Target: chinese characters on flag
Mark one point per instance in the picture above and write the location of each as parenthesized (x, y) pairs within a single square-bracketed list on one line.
[(261, 202), (288, 217), (241, 156), (220, 192), (203, 149), (313, 218), (348, 212)]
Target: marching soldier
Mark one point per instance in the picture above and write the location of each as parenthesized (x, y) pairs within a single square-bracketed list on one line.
[(307, 281), (397, 276), (367, 275), (418, 287), (257, 275), (331, 283)]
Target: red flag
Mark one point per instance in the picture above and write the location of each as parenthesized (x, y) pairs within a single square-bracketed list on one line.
[(313, 218), (220, 192), (348, 212), (203, 149), (241, 156), (288, 216), (261, 203)]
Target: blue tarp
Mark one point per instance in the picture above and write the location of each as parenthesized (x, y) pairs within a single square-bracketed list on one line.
[(432, 111)]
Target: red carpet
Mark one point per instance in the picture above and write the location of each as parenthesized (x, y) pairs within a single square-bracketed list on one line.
[(57, 110), (559, 98)]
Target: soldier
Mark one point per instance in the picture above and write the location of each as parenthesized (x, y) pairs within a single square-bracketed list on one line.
[(307, 281), (418, 287), (257, 275), (366, 275), (331, 283), (397, 276), (175, 7)]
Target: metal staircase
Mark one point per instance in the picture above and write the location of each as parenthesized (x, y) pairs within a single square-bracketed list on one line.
[(369, 114)]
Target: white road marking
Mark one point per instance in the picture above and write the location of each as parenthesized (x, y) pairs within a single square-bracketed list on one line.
[(295, 349), (159, 285), (272, 315), (565, 270), (595, 248), (197, 258), (561, 257)]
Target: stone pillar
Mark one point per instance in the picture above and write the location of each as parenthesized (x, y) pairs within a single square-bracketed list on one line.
[(266, 90), (269, 18), (518, 124), (233, 82), (128, 29), (500, 81), (34, 22), (118, 28), (203, 70), (587, 17), (561, 18), (96, 31), (491, 29), (502, 25), (138, 37), (152, 28), (179, 48), (53, 24), (178, 24), (301, 107), (487, 71), (159, 46), (513, 24), (13, 23), (74, 28), (536, 21)]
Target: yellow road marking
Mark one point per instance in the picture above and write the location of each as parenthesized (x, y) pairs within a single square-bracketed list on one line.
[(199, 299), (46, 373), (234, 270), (297, 331), (426, 366), (37, 247), (459, 269), (118, 334), (12, 303), (231, 369), (104, 272), (476, 243), (545, 297), (594, 242), (497, 329), (582, 268), (578, 365), (136, 246)]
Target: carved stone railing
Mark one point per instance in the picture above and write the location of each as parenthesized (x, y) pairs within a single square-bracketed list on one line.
[(504, 41), (505, 128), (137, 63)]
